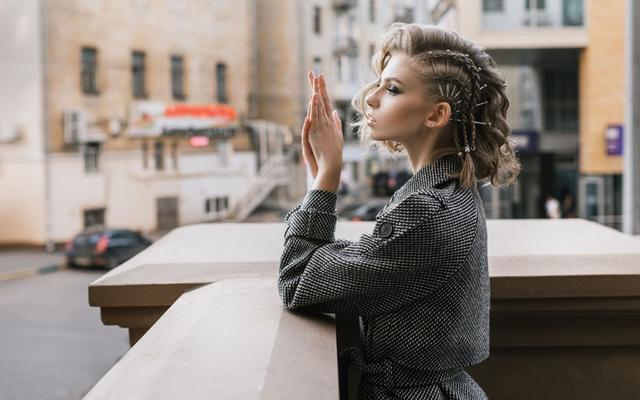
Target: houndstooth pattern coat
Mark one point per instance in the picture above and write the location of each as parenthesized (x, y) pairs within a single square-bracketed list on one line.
[(419, 284)]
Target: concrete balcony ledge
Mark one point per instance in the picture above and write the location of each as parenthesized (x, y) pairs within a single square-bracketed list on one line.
[(228, 340), (565, 311)]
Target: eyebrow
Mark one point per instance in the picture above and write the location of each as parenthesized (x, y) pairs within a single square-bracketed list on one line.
[(393, 78)]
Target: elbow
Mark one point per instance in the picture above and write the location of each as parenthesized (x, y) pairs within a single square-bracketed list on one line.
[(287, 293)]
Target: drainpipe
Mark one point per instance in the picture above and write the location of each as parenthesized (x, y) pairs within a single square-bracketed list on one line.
[(631, 146), (49, 243)]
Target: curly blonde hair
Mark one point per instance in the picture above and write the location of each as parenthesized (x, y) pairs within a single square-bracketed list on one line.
[(480, 130)]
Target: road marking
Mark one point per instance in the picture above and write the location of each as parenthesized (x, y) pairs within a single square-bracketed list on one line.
[(26, 272)]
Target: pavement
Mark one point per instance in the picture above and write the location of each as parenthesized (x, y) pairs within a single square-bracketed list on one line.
[(20, 263)]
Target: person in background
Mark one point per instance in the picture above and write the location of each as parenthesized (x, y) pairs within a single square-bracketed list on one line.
[(552, 207)]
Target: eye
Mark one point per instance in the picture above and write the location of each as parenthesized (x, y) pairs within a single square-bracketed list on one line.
[(392, 89)]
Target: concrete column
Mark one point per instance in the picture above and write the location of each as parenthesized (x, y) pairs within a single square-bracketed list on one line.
[(631, 176)]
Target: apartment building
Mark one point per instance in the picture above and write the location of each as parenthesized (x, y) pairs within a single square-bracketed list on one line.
[(133, 114), (334, 37), (564, 64)]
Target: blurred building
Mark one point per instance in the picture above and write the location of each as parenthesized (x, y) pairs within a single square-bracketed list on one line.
[(564, 64), (136, 114), (22, 143), (335, 37)]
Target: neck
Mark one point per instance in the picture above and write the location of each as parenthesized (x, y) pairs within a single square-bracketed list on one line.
[(422, 149)]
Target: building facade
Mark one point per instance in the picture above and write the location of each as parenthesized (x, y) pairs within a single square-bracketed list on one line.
[(335, 37), (564, 64), (132, 114), (23, 176)]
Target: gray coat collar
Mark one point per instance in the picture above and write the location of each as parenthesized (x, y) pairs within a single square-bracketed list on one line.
[(430, 176)]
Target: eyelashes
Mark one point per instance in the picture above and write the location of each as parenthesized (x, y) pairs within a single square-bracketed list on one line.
[(391, 89)]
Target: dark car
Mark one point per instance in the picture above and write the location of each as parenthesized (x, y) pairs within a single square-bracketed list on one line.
[(101, 247), (367, 211)]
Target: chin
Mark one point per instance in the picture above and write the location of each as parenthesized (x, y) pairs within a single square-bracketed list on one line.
[(375, 135)]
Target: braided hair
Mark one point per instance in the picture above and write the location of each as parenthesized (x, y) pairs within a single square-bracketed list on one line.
[(462, 74)]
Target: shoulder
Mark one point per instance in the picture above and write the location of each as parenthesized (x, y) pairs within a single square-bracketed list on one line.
[(409, 215)]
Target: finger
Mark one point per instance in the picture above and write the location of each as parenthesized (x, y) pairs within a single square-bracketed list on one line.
[(314, 108), (305, 128), (322, 113), (325, 94), (307, 151), (310, 77)]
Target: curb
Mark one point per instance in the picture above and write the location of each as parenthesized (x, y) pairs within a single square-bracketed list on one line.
[(26, 272)]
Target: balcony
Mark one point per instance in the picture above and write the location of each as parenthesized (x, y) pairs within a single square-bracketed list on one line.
[(532, 14), (205, 320), (529, 24), (343, 5), (345, 45)]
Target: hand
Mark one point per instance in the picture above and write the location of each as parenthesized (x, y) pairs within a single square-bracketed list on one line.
[(307, 153), (324, 130)]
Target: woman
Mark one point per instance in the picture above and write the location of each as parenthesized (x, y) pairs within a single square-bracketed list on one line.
[(419, 282)]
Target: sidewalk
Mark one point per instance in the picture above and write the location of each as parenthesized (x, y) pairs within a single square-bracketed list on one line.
[(19, 263)]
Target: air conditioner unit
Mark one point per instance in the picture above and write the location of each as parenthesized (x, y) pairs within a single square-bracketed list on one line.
[(74, 123)]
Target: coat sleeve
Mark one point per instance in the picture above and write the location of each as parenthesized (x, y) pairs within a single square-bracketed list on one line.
[(379, 273)]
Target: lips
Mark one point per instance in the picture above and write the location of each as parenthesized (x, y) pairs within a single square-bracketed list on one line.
[(371, 121)]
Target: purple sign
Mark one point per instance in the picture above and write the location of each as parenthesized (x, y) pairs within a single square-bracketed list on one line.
[(526, 140), (614, 134)]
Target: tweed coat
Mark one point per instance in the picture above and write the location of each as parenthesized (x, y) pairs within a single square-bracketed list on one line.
[(418, 283)]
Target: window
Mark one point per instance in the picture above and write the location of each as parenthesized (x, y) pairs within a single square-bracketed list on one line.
[(88, 70), (317, 65), (177, 77), (174, 155), (145, 154), (137, 74), (572, 13), (317, 20), (353, 69), (93, 216), (158, 155), (221, 203), (540, 4), (216, 204), (221, 82), (492, 6), (560, 100), (372, 11), (91, 157)]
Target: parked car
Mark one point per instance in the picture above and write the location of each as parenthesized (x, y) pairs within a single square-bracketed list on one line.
[(367, 211), (102, 247)]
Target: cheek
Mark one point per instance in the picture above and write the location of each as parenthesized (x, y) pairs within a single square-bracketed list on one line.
[(407, 116)]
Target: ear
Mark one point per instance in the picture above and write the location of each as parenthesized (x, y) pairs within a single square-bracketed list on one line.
[(438, 115)]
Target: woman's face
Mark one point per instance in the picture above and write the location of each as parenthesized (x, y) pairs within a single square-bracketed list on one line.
[(398, 106)]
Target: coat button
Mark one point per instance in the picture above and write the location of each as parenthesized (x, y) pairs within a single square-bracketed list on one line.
[(386, 229)]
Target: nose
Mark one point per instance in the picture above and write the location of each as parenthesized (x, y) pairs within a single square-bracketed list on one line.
[(371, 100)]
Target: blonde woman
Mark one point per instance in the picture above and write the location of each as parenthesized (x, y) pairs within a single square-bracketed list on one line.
[(419, 281)]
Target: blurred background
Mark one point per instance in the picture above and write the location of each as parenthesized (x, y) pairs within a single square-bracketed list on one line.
[(123, 119), (152, 114)]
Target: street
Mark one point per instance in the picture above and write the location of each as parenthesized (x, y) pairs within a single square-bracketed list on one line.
[(53, 344)]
